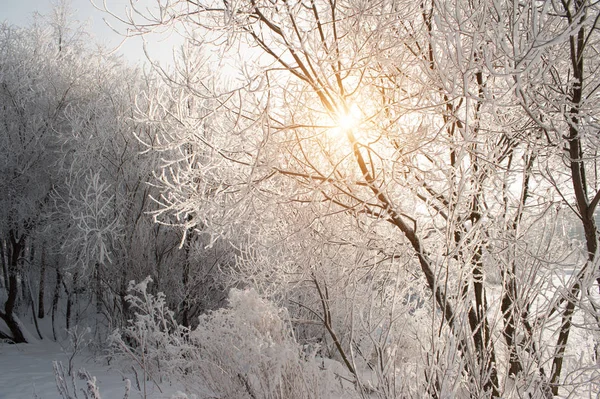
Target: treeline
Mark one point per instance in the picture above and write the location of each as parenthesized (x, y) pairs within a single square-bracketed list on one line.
[(400, 182), (76, 222)]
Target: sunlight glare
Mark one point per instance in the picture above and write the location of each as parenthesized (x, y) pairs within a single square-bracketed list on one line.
[(350, 119)]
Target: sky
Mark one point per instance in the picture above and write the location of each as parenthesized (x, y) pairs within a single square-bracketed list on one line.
[(20, 12)]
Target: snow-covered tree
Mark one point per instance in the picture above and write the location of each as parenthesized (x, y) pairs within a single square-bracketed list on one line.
[(408, 133), (38, 82), (75, 179)]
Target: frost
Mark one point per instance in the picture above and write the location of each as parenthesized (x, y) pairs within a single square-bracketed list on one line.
[(246, 350)]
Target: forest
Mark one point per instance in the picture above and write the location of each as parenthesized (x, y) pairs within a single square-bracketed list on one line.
[(313, 199)]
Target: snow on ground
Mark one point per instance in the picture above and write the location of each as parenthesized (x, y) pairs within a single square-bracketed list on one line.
[(26, 372)]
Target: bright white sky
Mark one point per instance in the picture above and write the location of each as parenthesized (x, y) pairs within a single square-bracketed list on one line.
[(19, 12)]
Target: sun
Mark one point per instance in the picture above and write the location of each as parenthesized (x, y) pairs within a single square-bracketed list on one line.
[(349, 119), (346, 121)]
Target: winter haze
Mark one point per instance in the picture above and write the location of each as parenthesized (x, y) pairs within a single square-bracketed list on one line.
[(294, 199)]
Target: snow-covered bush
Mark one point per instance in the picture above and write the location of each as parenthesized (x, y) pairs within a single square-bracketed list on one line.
[(246, 350), (153, 340)]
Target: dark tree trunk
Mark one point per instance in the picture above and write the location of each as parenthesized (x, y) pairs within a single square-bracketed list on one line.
[(123, 296), (17, 335), (98, 288), (68, 315), (17, 246), (70, 295), (55, 298), (585, 207), (32, 303), (41, 309), (185, 304), (4, 264)]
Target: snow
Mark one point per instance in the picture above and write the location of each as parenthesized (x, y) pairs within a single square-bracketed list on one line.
[(26, 372)]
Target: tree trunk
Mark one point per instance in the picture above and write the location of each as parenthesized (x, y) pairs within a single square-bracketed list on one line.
[(4, 264), (98, 288), (586, 208), (70, 295), (32, 302), (123, 297), (185, 304), (16, 248), (68, 315), (12, 322), (55, 298), (42, 286)]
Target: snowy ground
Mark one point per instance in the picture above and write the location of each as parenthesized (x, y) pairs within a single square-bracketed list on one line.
[(26, 372)]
